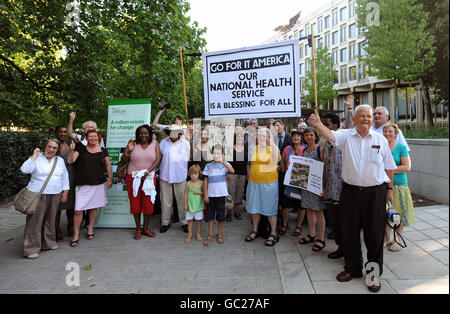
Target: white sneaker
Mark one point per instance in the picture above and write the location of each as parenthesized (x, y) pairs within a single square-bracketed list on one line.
[(54, 248), (33, 256)]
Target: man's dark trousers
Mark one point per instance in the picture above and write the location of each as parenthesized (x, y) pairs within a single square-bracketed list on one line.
[(363, 208)]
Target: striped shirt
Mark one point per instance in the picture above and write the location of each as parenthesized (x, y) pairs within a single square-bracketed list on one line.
[(217, 182)]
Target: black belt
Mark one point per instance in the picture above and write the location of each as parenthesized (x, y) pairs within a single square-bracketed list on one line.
[(362, 188)]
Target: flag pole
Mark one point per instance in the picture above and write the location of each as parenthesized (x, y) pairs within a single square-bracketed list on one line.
[(314, 67), (184, 86)]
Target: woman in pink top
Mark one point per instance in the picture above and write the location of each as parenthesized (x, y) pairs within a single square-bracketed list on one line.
[(145, 156)]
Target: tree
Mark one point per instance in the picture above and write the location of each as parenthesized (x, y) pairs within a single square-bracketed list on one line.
[(435, 79), (324, 78), (398, 47), (120, 49)]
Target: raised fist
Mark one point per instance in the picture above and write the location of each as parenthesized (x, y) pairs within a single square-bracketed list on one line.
[(36, 153), (72, 115)]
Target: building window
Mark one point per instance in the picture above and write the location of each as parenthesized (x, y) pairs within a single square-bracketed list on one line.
[(335, 56), (352, 31), (307, 51), (352, 50), (351, 9), (344, 74), (344, 55), (343, 34), (362, 71), (295, 34), (335, 39), (327, 40), (301, 34), (307, 30), (352, 73), (301, 51), (320, 42), (327, 22), (361, 48), (307, 66), (319, 25), (336, 77), (343, 14), (334, 16), (302, 68)]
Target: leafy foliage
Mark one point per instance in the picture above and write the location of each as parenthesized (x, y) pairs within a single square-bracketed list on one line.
[(16, 148), (324, 78), (121, 49), (399, 47)]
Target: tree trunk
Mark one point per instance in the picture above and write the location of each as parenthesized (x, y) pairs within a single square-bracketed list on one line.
[(427, 104)]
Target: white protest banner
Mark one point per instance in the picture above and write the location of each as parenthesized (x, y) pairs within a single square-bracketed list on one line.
[(124, 117), (254, 82), (305, 173)]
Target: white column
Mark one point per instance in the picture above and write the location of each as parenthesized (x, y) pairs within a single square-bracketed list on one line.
[(392, 112), (370, 97), (419, 104)]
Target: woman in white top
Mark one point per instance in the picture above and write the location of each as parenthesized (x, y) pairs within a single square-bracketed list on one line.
[(40, 232)]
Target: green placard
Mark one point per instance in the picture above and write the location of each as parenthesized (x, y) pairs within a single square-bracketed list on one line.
[(124, 117)]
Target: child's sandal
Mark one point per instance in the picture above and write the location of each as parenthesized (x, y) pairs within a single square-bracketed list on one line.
[(220, 239), (208, 240), (188, 239)]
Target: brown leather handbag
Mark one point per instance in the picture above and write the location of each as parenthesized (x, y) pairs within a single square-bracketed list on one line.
[(26, 201), (122, 167)]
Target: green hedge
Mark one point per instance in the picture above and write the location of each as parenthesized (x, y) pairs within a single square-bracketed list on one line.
[(15, 148), (421, 130)]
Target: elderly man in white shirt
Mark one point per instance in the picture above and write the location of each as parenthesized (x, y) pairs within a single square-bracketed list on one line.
[(40, 231), (173, 169), (367, 173), (380, 118)]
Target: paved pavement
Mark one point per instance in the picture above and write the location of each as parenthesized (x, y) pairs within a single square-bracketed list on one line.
[(165, 264)]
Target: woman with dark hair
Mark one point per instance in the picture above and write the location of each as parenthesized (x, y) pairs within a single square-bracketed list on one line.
[(62, 135), (40, 233), (201, 154), (286, 202), (144, 156), (91, 163), (313, 203), (236, 181)]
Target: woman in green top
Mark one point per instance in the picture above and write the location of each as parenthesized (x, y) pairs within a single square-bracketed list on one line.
[(403, 203), (193, 202)]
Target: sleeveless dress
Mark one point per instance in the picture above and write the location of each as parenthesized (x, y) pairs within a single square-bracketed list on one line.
[(309, 199), (195, 201)]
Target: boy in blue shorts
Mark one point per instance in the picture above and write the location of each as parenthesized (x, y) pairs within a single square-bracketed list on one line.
[(215, 191)]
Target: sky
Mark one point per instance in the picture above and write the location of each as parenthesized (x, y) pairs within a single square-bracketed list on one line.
[(244, 23)]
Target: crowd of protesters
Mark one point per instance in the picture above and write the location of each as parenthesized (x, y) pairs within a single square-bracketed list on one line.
[(365, 164)]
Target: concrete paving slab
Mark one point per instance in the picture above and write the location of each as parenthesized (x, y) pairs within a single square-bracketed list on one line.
[(430, 245), (422, 286), (441, 256), (435, 233), (165, 264), (356, 286), (415, 235), (439, 223), (414, 264), (443, 241)]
